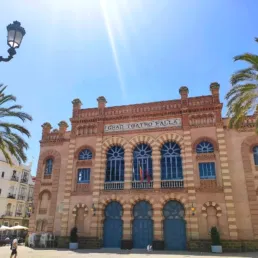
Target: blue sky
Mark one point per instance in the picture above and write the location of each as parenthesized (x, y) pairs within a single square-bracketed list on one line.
[(130, 51)]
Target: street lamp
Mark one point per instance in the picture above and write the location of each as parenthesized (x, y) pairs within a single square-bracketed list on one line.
[(15, 34)]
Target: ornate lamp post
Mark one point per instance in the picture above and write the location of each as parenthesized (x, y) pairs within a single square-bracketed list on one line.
[(15, 34)]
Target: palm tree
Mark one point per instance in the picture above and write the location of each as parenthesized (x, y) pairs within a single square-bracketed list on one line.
[(243, 96), (11, 140)]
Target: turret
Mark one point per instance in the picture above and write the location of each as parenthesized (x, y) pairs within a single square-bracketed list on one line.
[(62, 127), (214, 88), (183, 92), (46, 128), (76, 105), (101, 104)]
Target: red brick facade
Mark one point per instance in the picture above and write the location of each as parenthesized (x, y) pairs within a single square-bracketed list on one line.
[(229, 201)]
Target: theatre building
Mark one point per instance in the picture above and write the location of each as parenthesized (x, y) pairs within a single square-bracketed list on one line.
[(160, 173)]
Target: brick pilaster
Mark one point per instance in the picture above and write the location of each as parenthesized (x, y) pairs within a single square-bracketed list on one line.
[(68, 188), (158, 221), (156, 167), (127, 220), (192, 222), (98, 170), (128, 158), (226, 181)]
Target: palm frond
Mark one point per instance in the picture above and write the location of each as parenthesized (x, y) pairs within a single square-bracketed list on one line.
[(248, 57), (244, 75), (242, 98), (17, 127), (12, 144), (21, 115)]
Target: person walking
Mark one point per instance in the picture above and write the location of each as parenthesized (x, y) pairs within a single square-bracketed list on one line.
[(14, 246)]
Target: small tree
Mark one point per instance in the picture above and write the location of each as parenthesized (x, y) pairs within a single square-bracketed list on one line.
[(215, 237), (73, 235)]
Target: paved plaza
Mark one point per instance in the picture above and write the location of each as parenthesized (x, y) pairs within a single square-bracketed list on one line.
[(25, 252)]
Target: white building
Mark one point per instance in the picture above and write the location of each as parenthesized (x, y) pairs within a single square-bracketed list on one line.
[(16, 193)]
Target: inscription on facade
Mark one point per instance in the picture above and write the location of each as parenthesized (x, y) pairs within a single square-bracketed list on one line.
[(175, 122)]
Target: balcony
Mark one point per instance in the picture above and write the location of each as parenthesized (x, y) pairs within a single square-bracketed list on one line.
[(14, 178), (142, 185), (21, 197), (8, 213), (113, 185), (24, 180), (178, 183), (11, 196)]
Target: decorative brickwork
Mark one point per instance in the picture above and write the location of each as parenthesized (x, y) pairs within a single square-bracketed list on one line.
[(246, 149), (68, 188), (205, 139), (211, 204), (186, 121), (78, 206), (227, 185), (53, 190)]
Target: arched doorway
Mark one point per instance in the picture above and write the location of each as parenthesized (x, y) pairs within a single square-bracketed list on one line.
[(174, 226), (113, 225), (142, 225)]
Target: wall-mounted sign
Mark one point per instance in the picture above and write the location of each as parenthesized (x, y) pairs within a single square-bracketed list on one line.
[(174, 122)]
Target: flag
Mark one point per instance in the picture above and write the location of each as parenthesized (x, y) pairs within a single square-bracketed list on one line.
[(141, 174)]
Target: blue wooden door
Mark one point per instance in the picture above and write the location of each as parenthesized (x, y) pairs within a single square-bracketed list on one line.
[(174, 226), (113, 225), (142, 225)]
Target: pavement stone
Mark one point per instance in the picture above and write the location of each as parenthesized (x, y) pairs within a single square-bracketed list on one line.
[(25, 252)]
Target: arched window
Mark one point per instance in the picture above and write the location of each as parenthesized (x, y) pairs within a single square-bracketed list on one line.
[(206, 169), (171, 162), (142, 163), (49, 166), (85, 155), (115, 164), (255, 152), (204, 147)]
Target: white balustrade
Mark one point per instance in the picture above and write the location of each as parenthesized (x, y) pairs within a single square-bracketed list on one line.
[(113, 185), (179, 183), (142, 184)]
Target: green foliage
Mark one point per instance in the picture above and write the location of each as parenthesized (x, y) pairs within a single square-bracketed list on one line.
[(243, 96), (73, 235), (215, 236), (11, 141)]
